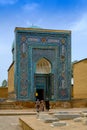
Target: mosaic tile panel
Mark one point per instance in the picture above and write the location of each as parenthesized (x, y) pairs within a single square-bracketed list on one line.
[(32, 46)]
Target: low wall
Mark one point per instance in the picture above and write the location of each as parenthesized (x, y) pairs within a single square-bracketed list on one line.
[(3, 92), (79, 103), (25, 104), (74, 103)]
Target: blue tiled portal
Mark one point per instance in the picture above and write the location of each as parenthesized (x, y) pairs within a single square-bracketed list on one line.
[(30, 46)]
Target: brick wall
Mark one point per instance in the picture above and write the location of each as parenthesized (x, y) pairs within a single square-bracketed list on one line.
[(3, 92), (80, 79), (11, 78)]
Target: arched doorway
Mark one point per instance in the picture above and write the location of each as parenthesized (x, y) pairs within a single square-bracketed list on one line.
[(42, 78), (43, 66)]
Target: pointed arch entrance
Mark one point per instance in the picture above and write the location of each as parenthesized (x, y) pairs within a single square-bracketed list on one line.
[(43, 66), (42, 78)]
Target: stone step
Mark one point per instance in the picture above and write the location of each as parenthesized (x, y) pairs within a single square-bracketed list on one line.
[(9, 105)]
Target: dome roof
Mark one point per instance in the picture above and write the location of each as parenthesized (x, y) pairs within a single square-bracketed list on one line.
[(13, 46), (33, 26)]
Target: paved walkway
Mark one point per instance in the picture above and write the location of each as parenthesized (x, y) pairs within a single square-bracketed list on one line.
[(10, 121)]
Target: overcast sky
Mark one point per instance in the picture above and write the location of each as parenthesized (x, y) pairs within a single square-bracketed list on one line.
[(50, 14)]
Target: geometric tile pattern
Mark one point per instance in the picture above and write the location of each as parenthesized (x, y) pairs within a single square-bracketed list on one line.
[(30, 46)]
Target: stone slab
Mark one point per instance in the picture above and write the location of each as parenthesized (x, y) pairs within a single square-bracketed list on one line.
[(85, 121), (60, 123), (32, 123), (50, 120), (46, 117), (79, 119), (66, 116), (43, 115), (84, 114)]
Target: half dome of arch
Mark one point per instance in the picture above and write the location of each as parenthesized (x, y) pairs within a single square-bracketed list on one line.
[(43, 66)]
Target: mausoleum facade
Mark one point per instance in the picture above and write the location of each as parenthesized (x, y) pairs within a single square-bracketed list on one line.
[(42, 64)]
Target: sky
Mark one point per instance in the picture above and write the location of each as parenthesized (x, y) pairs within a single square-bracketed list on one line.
[(49, 14)]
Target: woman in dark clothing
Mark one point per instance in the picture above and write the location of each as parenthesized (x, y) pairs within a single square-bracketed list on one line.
[(47, 104)]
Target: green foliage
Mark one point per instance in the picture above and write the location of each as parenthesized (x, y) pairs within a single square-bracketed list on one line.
[(4, 83)]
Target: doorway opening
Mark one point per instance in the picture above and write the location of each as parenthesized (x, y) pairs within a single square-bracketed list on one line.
[(40, 94), (42, 82)]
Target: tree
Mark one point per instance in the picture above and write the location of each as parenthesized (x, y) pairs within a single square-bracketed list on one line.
[(4, 83)]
